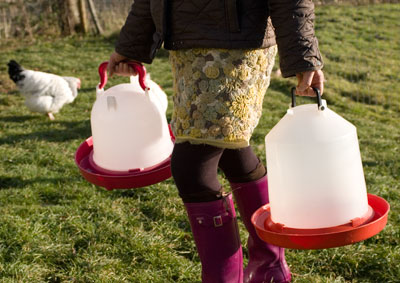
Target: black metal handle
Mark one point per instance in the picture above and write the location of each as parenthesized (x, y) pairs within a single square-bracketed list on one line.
[(318, 95)]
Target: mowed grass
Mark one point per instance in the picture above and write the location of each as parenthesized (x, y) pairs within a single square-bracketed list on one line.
[(56, 227)]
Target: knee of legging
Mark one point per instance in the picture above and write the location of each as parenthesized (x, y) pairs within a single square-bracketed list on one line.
[(234, 176), (194, 183)]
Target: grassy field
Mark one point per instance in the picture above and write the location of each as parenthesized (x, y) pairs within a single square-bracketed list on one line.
[(56, 227)]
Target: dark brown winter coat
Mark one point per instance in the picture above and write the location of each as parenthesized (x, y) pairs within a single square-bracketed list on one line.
[(229, 24)]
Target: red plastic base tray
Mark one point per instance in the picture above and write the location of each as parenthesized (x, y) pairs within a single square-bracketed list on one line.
[(304, 239), (110, 181)]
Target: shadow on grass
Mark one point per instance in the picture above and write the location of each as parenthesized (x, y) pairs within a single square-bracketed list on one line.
[(18, 119), (362, 98), (70, 131), (19, 183)]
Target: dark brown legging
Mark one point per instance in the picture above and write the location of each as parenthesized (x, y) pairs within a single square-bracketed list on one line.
[(195, 169)]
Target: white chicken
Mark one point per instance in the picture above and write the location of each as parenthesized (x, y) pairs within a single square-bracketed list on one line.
[(44, 93)]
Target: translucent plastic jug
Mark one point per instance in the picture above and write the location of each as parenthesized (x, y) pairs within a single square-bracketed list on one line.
[(315, 172), (129, 127)]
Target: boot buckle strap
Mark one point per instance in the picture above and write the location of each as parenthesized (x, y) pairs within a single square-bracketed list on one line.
[(218, 221)]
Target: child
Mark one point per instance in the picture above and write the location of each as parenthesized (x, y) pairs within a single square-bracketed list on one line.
[(222, 54)]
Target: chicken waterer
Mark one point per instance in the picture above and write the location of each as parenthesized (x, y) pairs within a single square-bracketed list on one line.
[(131, 141), (317, 191)]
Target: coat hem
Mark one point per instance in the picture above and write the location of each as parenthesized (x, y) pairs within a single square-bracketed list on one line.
[(223, 44)]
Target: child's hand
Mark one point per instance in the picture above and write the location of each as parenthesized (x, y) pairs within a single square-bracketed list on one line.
[(307, 80), (117, 65)]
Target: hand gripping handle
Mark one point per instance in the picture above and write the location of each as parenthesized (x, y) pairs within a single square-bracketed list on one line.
[(139, 68), (318, 96)]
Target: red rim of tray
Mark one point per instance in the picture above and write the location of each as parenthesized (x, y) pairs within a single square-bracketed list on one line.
[(280, 228), (325, 237), (103, 171), (115, 180)]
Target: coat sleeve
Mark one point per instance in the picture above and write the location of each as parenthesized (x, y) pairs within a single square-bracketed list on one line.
[(293, 21), (135, 40)]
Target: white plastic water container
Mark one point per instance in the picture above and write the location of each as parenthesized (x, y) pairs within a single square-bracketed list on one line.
[(315, 173), (129, 126)]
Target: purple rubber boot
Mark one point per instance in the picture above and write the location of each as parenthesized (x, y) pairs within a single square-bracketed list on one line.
[(215, 232), (266, 262)]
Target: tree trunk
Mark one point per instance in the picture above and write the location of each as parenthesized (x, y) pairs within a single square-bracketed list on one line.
[(96, 21), (66, 18), (26, 17), (73, 14), (83, 16)]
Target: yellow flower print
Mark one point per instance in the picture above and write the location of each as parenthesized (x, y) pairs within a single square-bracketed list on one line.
[(248, 53), (210, 114), (177, 124), (260, 85), (211, 72), (206, 98), (203, 85), (199, 124), (204, 51), (241, 113), (198, 63), (189, 90), (190, 56), (181, 84), (196, 51), (195, 133), (263, 61), (197, 114), (215, 86), (236, 54), (185, 124), (221, 94), (244, 73), (214, 130), (227, 130), (233, 85), (230, 137), (187, 70), (182, 113), (240, 107), (230, 70), (251, 93), (178, 60), (221, 109), (196, 75), (240, 101), (240, 137), (224, 121), (252, 60), (201, 107)]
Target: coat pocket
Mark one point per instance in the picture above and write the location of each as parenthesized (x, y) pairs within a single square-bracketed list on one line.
[(232, 16)]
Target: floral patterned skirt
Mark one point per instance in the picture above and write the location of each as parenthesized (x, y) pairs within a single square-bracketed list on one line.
[(218, 94)]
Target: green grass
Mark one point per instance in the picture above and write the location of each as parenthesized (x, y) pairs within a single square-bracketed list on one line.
[(56, 227)]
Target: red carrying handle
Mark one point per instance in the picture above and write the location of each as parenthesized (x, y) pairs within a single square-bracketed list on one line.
[(139, 68)]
